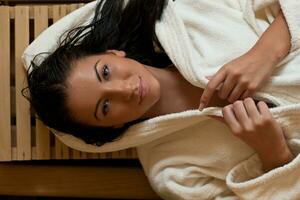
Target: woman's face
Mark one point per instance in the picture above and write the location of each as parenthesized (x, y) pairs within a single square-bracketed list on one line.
[(105, 89)]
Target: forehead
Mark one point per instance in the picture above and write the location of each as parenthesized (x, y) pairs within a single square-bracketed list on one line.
[(81, 87), (86, 61), (84, 68)]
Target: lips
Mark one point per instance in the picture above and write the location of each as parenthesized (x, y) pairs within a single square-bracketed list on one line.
[(142, 90)]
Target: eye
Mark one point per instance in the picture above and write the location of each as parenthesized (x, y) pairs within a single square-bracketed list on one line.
[(105, 72), (105, 107)]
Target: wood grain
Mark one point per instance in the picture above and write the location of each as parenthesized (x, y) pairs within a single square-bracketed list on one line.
[(22, 105), (105, 182), (5, 136)]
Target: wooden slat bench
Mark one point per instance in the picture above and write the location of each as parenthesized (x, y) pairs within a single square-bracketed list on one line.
[(24, 138), (90, 179)]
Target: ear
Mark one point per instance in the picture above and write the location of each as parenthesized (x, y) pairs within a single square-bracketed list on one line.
[(118, 126), (117, 52)]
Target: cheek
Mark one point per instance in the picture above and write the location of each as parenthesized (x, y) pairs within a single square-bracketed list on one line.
[(128, 111), (121, 71)]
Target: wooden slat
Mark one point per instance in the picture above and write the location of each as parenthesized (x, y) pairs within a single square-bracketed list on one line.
[(52, 152), (22, 105), (16, 2), (83, 155), (91, 156), (72, 7), (66, 152), (102, 155), (58, 11), (42, 141), (5, 130), (58, 149), (33, 153), (115, 154), (134, 153), (75, 153), (42, 133), (61, 150), (123, 154), (31, 10), (73, 180)]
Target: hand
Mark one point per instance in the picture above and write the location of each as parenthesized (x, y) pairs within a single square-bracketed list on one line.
[(239, 78), (256, 126)]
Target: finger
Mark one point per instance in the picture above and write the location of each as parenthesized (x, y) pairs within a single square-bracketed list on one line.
[(210, 89), (227, 87), (220, 85), (230, 118), (236, 93), (264, 109), (246, 94), (240, 112), (251, 108)]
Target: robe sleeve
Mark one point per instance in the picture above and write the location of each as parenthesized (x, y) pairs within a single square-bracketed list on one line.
[(290, 9), (248, 181)]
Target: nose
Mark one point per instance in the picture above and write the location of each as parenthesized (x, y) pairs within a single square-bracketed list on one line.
[(123, 89)]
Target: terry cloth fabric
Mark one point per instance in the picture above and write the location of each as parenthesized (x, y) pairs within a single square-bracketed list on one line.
[(188, 155)]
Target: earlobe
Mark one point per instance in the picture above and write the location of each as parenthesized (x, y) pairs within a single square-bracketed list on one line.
[(117, 52)]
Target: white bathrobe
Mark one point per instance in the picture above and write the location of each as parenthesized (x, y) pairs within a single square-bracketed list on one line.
[(187, 155)]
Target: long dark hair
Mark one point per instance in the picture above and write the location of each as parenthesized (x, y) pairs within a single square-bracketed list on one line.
[(130, 29)]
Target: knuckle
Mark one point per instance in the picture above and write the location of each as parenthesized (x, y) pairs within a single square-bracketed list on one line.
[(259, 124), (248, 100), (267, 120), (237, 131), (261, 103), (235, 74), (234, 71), (210, 86), (249, 128), (252, 87), (237, 103), (226, 109), (262, 122), (244, 82), (204, 98)]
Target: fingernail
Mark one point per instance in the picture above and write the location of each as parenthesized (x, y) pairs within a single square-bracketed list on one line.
[(201, 106)]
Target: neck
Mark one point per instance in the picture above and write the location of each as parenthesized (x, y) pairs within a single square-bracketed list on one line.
[(165, 78), (177, 94), (173, 96)]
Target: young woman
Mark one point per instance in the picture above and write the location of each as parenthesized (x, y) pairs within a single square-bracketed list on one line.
[(113, 73)]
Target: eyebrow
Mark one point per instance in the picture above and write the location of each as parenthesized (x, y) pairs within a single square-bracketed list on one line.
[(97, 105), (95, 67), (99, 100)]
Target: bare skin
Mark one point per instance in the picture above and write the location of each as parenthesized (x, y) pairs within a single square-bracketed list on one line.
[(113, 80), (250, 121), (243, 76), (182, 94), (167, 92)]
